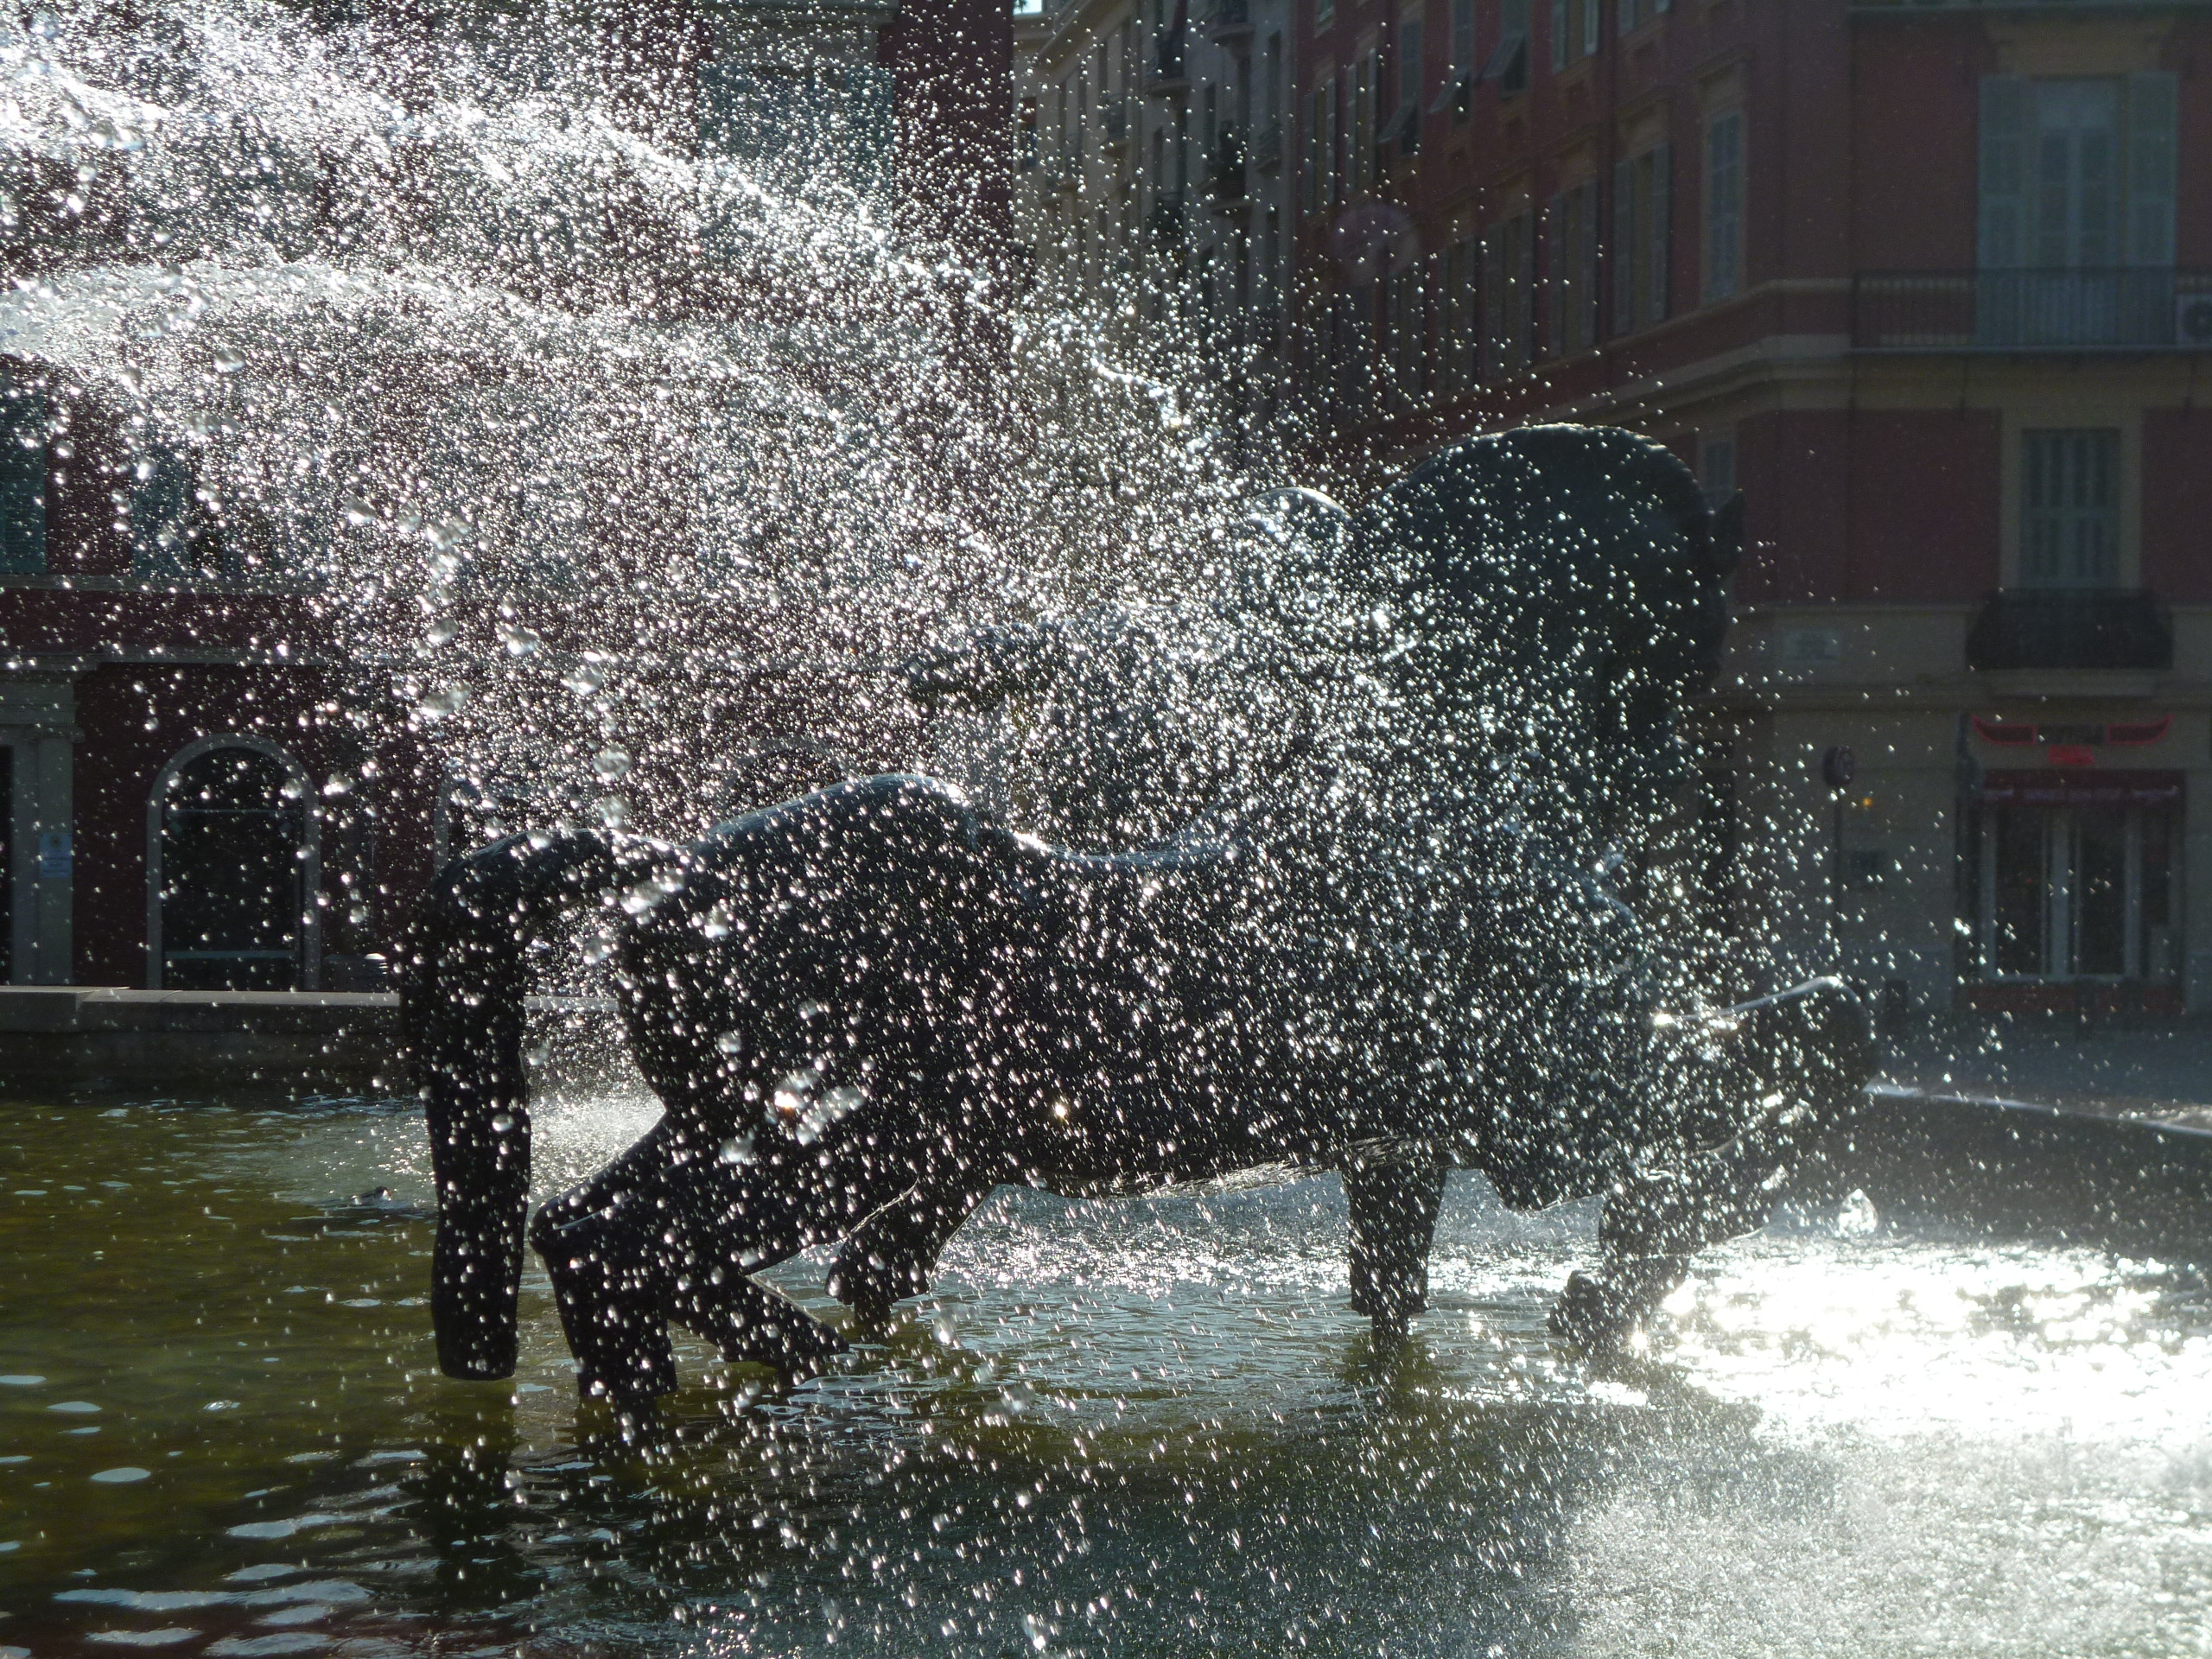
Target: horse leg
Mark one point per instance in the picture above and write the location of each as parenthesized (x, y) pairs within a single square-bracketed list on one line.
[(1393, 1200), (600, 1245), (737, 1218), (1815, 1053), (890, 1255)]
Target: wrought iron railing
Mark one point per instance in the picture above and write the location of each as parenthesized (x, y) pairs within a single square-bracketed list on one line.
[(2126, 307), (2072, 627)]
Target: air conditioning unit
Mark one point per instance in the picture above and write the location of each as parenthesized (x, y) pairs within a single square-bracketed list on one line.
[(2193, 320)]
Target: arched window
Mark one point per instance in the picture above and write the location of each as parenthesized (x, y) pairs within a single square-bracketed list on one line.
[(233, 873)]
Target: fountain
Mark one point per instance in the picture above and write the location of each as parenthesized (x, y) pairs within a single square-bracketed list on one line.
[(614, 549)]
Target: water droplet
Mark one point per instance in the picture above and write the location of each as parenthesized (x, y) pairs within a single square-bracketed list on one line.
[(598, 948), (716, 924), (502, 1121), (730, 1043), (738, 1149), (442, 632), (518, 640)]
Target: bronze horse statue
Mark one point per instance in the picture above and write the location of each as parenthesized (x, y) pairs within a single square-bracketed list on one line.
[(866, 1008)]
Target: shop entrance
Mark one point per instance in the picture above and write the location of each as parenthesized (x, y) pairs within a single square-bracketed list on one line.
[(2075, 876)]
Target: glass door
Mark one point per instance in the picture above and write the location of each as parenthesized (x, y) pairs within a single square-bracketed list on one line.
[(2077, 892)]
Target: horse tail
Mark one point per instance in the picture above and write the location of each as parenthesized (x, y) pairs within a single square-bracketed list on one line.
[(462, 1018)]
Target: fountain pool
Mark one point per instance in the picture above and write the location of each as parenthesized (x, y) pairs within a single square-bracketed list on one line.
[(1142, 1427)]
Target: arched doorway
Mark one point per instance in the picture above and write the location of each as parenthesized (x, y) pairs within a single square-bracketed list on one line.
[(233, 871)]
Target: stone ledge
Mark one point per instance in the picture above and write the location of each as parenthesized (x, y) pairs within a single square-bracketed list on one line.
[(72, 1008)]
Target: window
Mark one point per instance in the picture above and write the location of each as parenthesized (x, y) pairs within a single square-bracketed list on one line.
[(1359, 118), (1324, 14), (1643, 241), (1459, 345), (1634, 14), (1509, 280), (1405, 124), (1724, 204), (2076, 210), (2069, 508), (1717, 467), (1572, 217), (22, 481), (1575, 30), (1508, 64), (1463, 37), (1310, 184)]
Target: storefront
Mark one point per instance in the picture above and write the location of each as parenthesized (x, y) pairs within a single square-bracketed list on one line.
[(2073, 878)]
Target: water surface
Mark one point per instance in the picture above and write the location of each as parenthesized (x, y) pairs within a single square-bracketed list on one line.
[(1146, 1428)]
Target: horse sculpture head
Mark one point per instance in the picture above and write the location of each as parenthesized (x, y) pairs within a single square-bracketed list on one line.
[(1569, 585)]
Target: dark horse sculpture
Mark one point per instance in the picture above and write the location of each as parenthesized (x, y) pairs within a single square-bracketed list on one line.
[(866, 1008)]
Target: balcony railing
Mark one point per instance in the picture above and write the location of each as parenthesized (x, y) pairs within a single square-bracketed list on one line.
[(1225, 17), (2072, 627), (1167, 73), (2127, 309), (1267, 147), (1116, 125)]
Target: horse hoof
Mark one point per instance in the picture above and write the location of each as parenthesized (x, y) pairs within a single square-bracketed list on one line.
[(871, 1287), (795, 1344), (1600, 1314)]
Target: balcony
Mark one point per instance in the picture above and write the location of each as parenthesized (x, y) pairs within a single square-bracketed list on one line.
[(1226, 18), (2135, 308), (2071, 628), (1168, 75), (1166, 221), (1267, 147), (1115, 126)]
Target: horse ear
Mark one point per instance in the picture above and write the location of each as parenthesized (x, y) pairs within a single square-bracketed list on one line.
[(1728, 534)]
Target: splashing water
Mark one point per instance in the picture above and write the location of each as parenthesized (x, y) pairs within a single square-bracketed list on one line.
[(586, 439)]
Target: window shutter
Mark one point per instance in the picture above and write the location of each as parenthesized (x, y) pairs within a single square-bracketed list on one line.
[(1555, 258), (2150, 101), (1623, 249), (1524, 312), (1559, 33), (2002, 215), (1662, 224), (23, 482), (1585, 303)]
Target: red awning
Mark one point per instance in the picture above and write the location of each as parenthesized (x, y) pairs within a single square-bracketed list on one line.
[(2083, 788)]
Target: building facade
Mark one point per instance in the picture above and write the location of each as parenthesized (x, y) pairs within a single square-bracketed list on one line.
[(1155, 177), (1930, 284), (201, 786)]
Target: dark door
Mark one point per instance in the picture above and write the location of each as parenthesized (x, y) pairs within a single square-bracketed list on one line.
[(231, 868)]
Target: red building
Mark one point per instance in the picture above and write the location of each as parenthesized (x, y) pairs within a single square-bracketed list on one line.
[(202, 784), (1931, 284)]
